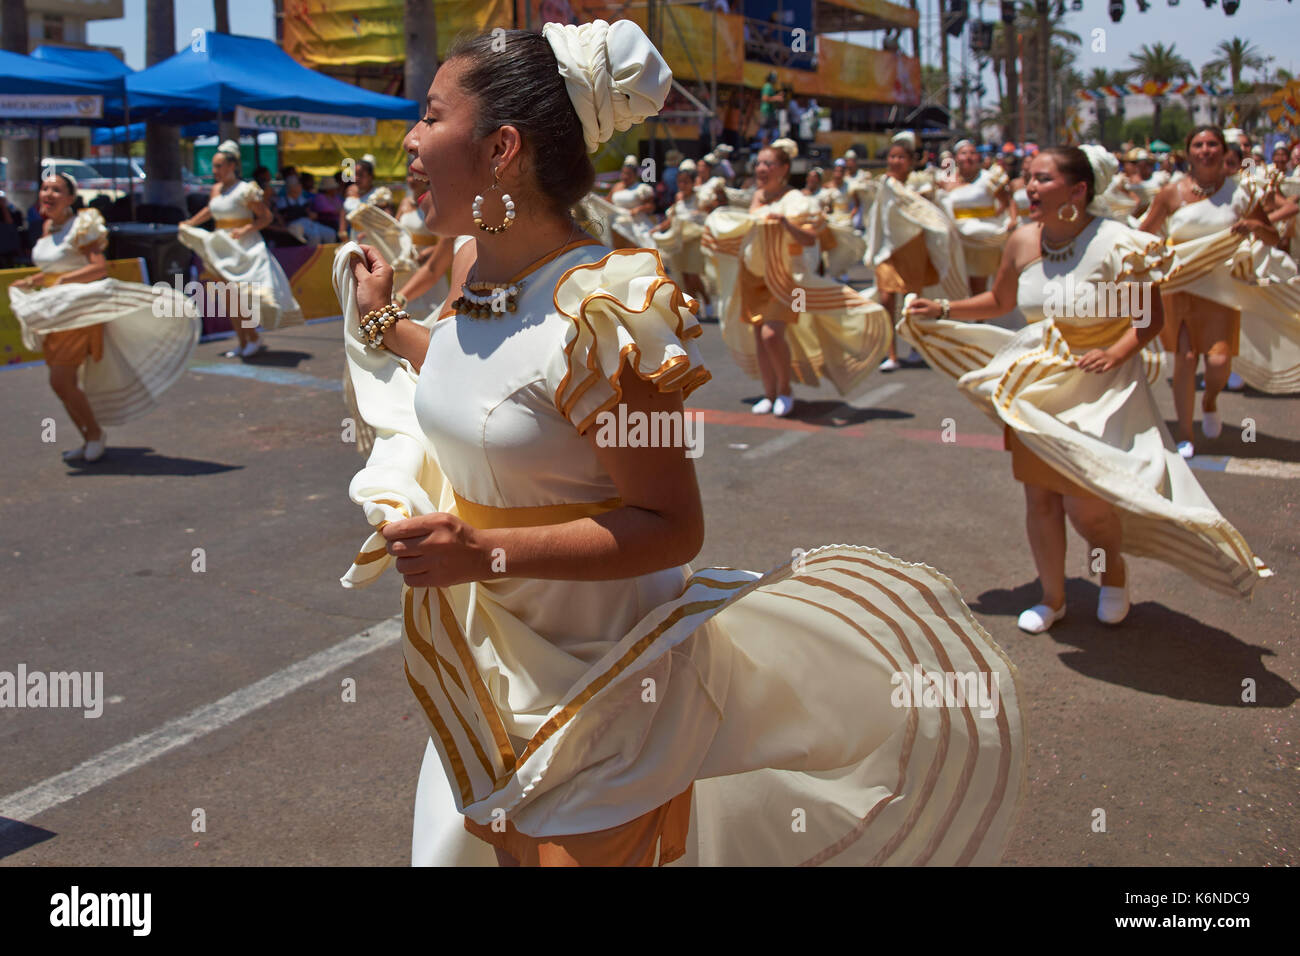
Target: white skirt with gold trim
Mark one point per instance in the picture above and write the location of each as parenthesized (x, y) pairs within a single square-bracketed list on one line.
[(1263, 282), (247, 261), (842, 709), (1103, 431), (840, 334), (149, 336)]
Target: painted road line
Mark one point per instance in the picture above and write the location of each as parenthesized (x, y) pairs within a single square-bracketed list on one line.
[(270, 375), (124, 758)]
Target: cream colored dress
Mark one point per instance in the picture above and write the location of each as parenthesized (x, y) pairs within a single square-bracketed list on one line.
[(841, 247), (898, 216), (573, 706), (244, 260), (1103, 431), (679, 244), (1241, 273), (634, 228), (840, 334), (982, 225), (149, 332)]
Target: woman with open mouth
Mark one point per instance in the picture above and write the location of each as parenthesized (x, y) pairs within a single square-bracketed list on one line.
[(982, 208), (590, 699), (112, 346), (1072, 392)]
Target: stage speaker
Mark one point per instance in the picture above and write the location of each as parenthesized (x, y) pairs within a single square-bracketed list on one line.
[(163, 253)]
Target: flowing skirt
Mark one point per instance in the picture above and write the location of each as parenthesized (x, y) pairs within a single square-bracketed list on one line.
[(1101, 431), (247, 261), (148, 333)]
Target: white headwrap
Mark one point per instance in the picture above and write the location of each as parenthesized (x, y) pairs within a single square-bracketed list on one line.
[(787, 146), (907, 138), (230, 148), (959, 144), (686, 166), (1104, 167), (614, 76), (630, 160)]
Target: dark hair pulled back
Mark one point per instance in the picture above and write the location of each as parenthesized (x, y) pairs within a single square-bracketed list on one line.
[(1074, 166), (514, 76)]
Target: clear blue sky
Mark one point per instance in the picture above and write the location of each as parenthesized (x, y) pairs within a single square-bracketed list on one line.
[(1272, 25)]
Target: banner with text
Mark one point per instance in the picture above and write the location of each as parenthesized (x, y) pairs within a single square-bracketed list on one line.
[(291, 121)]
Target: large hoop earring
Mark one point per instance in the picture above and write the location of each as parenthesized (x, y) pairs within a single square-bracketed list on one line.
[(477, 208), (1073, 212)]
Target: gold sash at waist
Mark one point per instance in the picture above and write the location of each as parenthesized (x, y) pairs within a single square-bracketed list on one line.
[(232, 223), (487, 516), (1087, 337), (422, 241), (975, 212)]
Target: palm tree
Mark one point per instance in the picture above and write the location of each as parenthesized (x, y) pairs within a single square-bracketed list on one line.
[(1237, 55), (1160, 64), (421, 48), (162, 147)]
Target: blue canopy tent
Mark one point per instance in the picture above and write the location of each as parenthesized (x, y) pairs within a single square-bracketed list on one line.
[(233, 71)]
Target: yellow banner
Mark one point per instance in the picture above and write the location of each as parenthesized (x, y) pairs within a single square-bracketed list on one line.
[(689, 35), (323, 153), (844, 69), (11, 336), (320, 33)]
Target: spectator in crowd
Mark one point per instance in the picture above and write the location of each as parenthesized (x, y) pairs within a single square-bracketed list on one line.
[(262, 176), (293, 202), (771, 101)]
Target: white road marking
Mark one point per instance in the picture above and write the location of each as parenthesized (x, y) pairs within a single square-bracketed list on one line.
[(125, 757), (1263, 468), (860, 403)]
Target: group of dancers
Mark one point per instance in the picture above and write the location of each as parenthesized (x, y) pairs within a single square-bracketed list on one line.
[(593, 700)]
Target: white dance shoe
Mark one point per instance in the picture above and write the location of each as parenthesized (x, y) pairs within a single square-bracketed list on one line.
[(1235, 382), (236, 352), (252, 348), (1185, 449), (783, 405), (1211, 424), (1039, 618), (90, 452), (1112, 604), (890, 365), (762, 406)]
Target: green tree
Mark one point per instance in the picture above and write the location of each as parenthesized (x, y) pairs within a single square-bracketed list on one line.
[(1236, 56), (1160, 64)]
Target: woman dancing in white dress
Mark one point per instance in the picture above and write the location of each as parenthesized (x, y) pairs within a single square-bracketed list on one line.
[(590, 700), (1071, 392), (236, 253), (980, 204), (1236, 295), (112, 347)]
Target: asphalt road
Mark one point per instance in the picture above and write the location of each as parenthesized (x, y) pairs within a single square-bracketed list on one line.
[(225, 686)]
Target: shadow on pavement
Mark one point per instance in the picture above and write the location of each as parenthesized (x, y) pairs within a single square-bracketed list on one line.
[(128, 460), (278, 358), (16, 836), (818, 412), (1156, 650), (1229, 443)]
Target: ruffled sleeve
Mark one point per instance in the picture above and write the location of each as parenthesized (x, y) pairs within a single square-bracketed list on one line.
[(252, 192), (380, 196), (625, 313), (644, 192), (1137, 257), (89, 232)]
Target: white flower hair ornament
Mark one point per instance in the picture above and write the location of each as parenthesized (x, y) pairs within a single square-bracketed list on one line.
[(787, 146), (613, 74), (1104, 167), (907, 138)]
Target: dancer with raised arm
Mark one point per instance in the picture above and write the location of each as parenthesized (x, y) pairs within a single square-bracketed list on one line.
[(1071, 392), (590, 699)]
